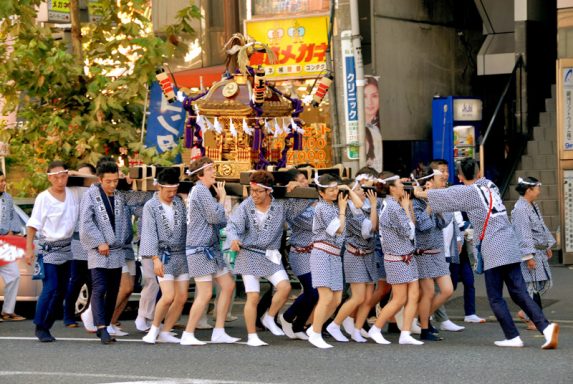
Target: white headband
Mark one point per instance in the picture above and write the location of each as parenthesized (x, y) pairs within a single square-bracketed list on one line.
[(189, 173), (436, 172), (533, 183), (359, 178), (392, 178), (333, 184), (57, 172), (253, 184)]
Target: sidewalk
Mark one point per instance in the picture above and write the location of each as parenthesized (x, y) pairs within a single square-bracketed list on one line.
[(557, 302)]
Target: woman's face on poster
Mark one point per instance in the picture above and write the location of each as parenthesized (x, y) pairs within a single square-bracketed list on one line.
[(371, 102)]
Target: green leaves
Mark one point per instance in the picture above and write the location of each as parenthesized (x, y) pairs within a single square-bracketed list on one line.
[(78, 111)]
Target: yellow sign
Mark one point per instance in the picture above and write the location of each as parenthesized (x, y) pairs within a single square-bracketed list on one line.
[(299, 43), (62, 6)]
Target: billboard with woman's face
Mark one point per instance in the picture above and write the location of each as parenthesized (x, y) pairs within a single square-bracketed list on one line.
[(372, 120)]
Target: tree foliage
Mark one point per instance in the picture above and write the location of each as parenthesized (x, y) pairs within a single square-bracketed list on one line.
[(76, 111)]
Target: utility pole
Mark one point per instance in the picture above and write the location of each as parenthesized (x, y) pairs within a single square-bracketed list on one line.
[(360, 83)]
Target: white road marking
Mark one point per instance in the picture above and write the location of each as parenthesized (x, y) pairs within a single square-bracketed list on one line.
[(146, 379), (120, 340)]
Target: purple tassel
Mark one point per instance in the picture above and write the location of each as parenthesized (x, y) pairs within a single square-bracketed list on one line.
[(257, 139), (297, 142), (189, 133)]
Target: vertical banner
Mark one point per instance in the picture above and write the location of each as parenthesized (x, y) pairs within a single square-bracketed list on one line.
[(568, 109), (372, 121), (350, 95), (568, 208), (165, 123)]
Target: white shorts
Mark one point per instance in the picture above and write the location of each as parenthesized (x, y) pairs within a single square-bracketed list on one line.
[(129, 267), (209, 277), (167, 277), (252, 283)]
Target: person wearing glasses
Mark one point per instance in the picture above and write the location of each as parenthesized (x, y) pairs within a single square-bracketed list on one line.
[(255, 230), (535, 242)]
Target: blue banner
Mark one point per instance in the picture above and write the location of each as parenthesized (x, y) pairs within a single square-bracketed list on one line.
[(166, 122)]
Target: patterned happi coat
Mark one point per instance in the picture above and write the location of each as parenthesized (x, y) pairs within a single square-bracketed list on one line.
[(500, 245), (8, 218), (96, 228), (534, 239), (205, 218), (255, 239), (158, 237)]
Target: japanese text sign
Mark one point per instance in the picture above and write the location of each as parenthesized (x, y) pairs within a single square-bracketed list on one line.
[(299, 43)]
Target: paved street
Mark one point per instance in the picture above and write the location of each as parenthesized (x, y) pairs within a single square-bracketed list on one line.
[(465, 357)]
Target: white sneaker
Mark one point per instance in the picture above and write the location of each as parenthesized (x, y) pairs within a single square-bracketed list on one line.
[(551, 334), (301, 335), (151, 336), (203, 323), (407, 339), (516, 342), (415, 328), (364, 334), (316, 339), (356, 336), (223, 338), (189, 338), (448, 325), (287, 327), (115, 331), (334, 331), (376, 335), (348, 325), (473, 319), (255, 341), (88, 320), (166, 337), (270, 324), (141, 324)]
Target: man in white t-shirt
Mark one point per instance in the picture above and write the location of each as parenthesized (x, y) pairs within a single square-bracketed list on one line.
[(53, 218)]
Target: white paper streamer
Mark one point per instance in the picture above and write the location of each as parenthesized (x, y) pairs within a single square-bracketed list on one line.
[(232, 128), (246, 128), (217, 126)]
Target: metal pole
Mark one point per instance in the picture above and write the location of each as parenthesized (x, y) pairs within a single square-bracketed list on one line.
[(144, 115), (335, 124), (360, 83)]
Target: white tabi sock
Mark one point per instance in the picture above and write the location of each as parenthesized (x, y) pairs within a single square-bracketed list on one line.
[(375, 334), (406, 338), (219, 336), (254, 341), (348, 325), (334, 330)]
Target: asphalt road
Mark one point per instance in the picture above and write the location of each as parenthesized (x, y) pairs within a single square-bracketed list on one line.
[(464, 357)]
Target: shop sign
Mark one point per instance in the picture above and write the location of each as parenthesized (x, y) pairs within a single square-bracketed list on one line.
[(59, 11), (568, 108), (299, 44), (95, 10), (467, 109)]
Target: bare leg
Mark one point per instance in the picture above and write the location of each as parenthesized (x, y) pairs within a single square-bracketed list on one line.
[(180, 297), (203, 293), (227, 286)]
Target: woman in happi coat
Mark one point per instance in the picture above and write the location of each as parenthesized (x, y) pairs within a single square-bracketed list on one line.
[(535, 241), (430, 255), (397, 233), (328, 229)]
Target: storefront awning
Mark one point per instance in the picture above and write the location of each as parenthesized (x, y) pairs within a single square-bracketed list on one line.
[(195, 78)]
